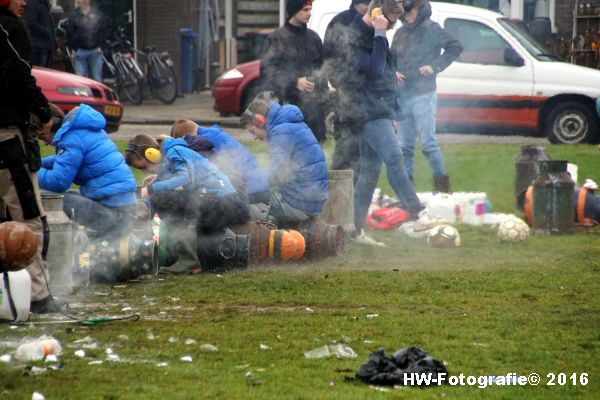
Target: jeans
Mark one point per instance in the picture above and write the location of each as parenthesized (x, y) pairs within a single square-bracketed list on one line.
[(379, 142), (89, 62), (100, 220), (283, 214), (419, 123)]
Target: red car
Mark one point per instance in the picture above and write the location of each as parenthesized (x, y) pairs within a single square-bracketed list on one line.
[(236, 88), (69, 90)]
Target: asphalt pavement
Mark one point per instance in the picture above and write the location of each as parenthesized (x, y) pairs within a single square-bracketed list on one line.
[(153, 117), (195, 106)]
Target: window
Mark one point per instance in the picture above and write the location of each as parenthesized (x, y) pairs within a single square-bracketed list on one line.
[(482, 45)]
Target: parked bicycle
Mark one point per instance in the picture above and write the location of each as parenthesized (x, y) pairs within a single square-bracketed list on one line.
[(160, 74), (125, 75)]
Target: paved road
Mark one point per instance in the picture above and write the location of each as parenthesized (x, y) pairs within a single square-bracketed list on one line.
[(128, 131)]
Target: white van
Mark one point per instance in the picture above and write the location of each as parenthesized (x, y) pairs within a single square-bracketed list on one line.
[(503, 79)]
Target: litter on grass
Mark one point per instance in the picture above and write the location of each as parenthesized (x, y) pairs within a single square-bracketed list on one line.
[(339, 350), (209, 347)]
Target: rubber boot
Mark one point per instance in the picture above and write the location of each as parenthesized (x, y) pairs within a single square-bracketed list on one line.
[(183, 240), (441, 184)]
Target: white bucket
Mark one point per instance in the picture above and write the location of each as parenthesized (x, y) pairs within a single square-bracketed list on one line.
[(473, 207), (20, 291), (444, 206)]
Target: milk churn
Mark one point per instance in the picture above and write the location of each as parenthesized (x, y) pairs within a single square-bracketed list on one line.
[(269, 244), (527, 168), (60, 250), (322, 239), (223, 251), (553, 210), (339, 208), (120, 259)]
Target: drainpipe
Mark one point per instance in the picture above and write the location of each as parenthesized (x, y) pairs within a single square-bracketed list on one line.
[(228, 32), (281, 12)]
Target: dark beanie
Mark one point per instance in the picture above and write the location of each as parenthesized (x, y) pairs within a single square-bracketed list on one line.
[(360, 1), (293, 6)]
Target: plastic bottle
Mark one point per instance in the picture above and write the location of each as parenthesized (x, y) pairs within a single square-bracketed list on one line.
[(38, 349), (81, 257)]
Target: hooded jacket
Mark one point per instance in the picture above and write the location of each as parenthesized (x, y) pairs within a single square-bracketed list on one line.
[(372, 85), (86, 156), (183, 168), (19, 93), (297, 169), (242, 160), (334, 54), (421, 43)]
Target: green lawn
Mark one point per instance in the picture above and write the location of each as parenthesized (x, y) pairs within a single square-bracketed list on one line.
[(486, 308)]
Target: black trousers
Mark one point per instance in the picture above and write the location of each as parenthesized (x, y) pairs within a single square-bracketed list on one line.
[(211, 213)]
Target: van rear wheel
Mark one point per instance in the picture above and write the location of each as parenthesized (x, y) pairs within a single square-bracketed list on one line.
[(571, 122)]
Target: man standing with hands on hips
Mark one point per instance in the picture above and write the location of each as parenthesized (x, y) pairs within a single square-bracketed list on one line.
[(417, 51), (19, 153)]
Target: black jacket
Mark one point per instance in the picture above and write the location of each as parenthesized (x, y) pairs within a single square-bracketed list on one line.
[(19, 94), (291, 52), (421, 43), (334, 54), (86, 31), (372, 86), (40, 24)]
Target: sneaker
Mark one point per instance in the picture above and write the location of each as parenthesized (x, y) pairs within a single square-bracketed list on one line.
[(426, 221), (363, 238), (47, 305)]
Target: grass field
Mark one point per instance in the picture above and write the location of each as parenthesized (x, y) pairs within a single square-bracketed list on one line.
[(486, 308)]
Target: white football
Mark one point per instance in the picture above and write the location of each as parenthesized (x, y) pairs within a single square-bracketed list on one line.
[(513, 229), (445, 236)]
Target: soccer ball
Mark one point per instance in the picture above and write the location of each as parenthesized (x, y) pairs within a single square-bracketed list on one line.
[(513, 229), (444, 236)]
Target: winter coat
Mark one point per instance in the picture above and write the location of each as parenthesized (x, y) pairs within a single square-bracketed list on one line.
[(240, 157), (40, 24), (19, 93), (86, 31), (334, 54), (183, 168), (418, 44), (372, 86), (297, 169), (86, 156), (291, 52)]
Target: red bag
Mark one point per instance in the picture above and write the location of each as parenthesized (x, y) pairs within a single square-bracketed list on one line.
[(387, 218)]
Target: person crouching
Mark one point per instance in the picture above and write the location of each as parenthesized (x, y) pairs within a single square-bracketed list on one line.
[(188, 189), (297, 171)]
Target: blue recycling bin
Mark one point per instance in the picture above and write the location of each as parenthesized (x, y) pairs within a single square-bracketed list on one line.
[(188, 50)]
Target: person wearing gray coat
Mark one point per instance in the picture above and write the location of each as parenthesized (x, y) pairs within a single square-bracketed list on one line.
[(417, 51)]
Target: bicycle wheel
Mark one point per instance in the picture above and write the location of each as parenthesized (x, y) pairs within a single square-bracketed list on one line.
[(131, 86), (163, 82)]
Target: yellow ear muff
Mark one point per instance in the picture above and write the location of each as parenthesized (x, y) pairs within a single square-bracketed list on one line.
[(375, 12), (153, 155)]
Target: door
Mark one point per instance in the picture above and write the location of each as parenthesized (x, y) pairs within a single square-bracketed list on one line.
[(483, 87), (119, 13)]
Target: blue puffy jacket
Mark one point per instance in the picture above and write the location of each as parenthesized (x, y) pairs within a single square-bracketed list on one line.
[(298, 169), (182, 167), (86, 156), (241, 158)]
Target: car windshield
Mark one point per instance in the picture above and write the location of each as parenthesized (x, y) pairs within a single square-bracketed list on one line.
[(519, 31)]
